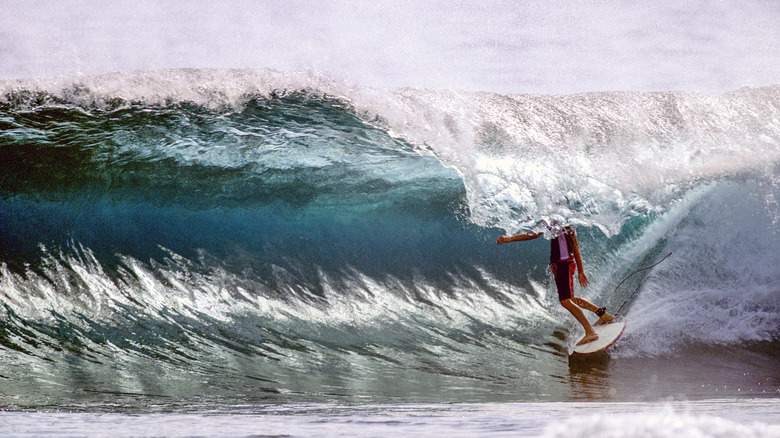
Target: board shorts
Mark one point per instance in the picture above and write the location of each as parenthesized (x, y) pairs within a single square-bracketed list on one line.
[(563, 271)]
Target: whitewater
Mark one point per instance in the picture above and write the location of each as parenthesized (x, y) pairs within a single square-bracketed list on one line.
[(217, 249)]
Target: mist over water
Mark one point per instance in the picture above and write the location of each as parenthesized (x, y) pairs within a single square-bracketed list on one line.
[(533, 47)]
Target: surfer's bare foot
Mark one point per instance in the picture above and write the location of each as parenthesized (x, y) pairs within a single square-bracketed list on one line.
[(588, 338), (605, 318)]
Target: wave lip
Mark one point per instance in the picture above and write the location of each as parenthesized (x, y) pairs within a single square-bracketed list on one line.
[(208, 88), (596, 159)]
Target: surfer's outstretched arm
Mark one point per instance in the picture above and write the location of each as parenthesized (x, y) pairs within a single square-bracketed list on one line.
[(518, 238)]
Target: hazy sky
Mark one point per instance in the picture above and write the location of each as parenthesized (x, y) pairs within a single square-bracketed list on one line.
[(510, 46)]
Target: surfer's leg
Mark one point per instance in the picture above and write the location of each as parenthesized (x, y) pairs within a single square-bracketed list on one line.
[(587, 305), (590, 334), (563, 272)]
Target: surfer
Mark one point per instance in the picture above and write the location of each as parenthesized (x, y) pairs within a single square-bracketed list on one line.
[(564, 257)]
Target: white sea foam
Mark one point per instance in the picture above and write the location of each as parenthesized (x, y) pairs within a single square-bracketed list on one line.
[(721, 284), (753, 418), (595, 159)]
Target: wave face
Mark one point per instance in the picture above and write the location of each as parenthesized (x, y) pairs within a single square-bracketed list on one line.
[(285, 237)]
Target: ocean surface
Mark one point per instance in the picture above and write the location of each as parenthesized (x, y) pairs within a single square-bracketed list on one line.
[(197, 249)]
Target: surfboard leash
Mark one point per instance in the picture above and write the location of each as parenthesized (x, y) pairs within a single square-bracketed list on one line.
[(640, 284)]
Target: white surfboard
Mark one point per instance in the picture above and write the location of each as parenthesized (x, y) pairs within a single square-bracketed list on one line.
[(608, 334)]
